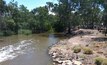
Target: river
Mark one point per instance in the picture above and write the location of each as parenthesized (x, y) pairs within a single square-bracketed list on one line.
[(27, 50)]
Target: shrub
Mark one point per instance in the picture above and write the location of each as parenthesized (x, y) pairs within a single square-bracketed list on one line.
[(24, 31), (104, 62), (1, 33), (98, 61), (8, 33), (77, 49), (88, 51)]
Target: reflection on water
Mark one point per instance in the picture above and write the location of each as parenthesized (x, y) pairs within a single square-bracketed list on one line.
[(26, 50)]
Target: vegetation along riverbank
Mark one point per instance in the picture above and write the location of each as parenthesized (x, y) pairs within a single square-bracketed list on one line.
[(60, 16)]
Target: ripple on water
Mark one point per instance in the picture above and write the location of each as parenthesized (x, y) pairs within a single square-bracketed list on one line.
[(11, 51)]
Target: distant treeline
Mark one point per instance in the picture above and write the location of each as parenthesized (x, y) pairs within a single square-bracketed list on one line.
[(65, 15)]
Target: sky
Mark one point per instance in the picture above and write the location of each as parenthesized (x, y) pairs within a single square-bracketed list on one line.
[(31, 4)]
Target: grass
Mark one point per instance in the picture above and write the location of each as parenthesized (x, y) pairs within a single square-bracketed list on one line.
[(25, 32)]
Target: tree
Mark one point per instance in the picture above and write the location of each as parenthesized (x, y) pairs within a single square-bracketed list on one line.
[(105, 15), (14, 13), (64, 10), (62, 16), (41, 16), (2, 13), (90, 11), (49, 5)]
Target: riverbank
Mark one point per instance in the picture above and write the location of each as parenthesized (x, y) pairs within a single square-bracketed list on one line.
[(81, 49)]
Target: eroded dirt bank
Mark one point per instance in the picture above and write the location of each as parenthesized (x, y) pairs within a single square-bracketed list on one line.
[(81, 49)]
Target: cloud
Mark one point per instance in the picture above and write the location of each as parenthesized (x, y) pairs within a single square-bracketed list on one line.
[(51, 13)]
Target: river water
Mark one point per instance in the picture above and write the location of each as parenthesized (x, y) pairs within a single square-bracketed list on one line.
[(27, 50)]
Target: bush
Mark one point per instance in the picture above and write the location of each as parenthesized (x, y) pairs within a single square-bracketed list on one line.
[(99, 61), (51, 30), (104, 62), (1, 33), (77, 49), (88, 51), (8, 33), (24, 31)]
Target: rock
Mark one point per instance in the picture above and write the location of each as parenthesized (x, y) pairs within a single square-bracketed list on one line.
[(54, 55), (77, 62), (57, 60), (67, 62), (54, 63)]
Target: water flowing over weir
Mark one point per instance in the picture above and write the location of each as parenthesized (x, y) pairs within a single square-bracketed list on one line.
[(27, 50), (11, 51)]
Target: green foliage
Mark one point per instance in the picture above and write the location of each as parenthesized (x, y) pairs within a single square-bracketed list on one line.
[(25, 32), (1, 33), (51, 30), (8, 32), (10, 24), (2, 6), (58, 26), (87, 51), (58, 17)]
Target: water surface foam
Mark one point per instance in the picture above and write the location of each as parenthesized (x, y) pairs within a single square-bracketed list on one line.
[(11, 51)]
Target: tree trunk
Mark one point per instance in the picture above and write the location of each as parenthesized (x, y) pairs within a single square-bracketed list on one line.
[(105, 31)]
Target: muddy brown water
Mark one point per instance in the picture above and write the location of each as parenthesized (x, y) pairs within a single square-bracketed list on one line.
[(27, 50)]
